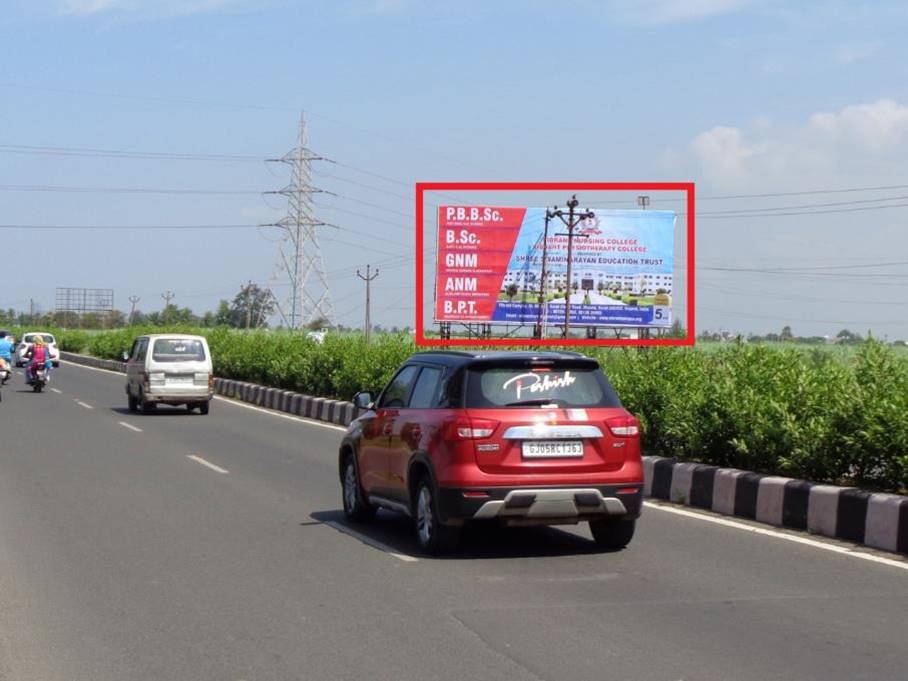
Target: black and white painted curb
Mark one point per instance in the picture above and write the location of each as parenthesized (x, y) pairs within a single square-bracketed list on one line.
[(874, 519), (318, 408)]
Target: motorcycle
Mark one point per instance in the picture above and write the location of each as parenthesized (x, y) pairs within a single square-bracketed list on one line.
[(37, 379), (5, 372)]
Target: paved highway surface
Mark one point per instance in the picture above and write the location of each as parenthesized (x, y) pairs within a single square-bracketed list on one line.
[(124, 558)]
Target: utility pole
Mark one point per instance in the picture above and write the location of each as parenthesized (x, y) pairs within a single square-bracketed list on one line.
[(247, 294), (168, 296), (573, 219), (133, 299), (368, 279), (301, 255)]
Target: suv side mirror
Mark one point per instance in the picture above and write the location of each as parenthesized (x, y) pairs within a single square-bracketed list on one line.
[(125, 356), (363, 399)]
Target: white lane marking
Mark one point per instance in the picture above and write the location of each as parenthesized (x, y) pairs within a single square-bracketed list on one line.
[(56, 390), (834, 548), (374, 543), (199, 459), (130, 426), (82, 404), (236, 403)]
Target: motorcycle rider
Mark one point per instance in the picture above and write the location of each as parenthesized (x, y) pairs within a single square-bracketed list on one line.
[(6, 353), (39, 354)]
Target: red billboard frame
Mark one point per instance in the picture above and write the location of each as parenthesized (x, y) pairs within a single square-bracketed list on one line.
[(422, 187)]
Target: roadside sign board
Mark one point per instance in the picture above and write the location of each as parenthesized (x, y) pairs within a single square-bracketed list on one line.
[(489, 267)]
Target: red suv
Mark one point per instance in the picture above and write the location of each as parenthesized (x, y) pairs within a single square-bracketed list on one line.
[(522, 438)]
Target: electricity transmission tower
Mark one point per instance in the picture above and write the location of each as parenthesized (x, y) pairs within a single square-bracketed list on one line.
[(301, 255)]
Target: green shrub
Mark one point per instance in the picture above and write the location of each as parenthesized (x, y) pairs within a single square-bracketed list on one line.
[(821, 415)]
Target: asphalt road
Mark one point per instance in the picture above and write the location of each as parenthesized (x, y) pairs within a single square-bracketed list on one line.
[(122, 558)]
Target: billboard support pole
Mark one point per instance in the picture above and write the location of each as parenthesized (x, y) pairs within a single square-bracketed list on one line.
[(540, 324), (571, 223)]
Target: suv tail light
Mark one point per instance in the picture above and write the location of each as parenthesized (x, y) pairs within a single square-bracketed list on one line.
[(623, 426), (470, 429)]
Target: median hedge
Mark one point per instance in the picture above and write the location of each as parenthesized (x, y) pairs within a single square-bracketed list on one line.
[(814, 414)]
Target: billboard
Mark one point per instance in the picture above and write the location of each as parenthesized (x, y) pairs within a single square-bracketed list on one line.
[(489, 267)]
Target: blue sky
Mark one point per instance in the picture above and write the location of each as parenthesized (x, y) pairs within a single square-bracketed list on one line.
[(741, 97)]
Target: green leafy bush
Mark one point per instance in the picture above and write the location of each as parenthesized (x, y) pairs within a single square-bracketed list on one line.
[(817, 414)]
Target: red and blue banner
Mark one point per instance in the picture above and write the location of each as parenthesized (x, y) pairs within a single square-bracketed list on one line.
[(489, 267)]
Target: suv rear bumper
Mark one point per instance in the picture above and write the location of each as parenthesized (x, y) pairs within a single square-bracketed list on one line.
[(543, 505)]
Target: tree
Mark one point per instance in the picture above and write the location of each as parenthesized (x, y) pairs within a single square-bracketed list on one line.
[(223, 316), (786, 334), (511, 291), (846, 336), (251, 307), (116, 319)]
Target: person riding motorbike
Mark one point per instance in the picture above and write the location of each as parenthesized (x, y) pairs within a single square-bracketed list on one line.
[(39, 356), (6, 354)]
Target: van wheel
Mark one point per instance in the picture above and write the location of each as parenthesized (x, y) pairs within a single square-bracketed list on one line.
[(433, 537), (132, 402), (203, 408), (613, 534), (355, 507)]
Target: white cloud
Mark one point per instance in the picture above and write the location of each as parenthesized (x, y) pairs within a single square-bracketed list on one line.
[(143, 8), (654, 12), (858, 141)]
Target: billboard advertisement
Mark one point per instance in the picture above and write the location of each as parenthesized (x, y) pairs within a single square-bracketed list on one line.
[(490, 268)]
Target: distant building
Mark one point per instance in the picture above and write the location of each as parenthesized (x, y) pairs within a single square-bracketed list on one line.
[(637, 284)]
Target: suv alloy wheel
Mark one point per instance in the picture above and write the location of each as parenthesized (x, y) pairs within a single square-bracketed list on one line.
[(355, 508), (432, 536)]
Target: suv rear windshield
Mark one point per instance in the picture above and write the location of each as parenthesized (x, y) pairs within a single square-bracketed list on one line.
[(521, 386), (178, 350)]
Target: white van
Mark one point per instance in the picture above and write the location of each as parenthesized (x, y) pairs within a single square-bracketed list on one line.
[(168, 368)]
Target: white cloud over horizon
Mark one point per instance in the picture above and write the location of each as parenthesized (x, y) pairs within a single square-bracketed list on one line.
[(859, 141)]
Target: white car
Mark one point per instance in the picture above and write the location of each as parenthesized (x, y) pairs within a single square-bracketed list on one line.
[(28, 340), (170, 369)]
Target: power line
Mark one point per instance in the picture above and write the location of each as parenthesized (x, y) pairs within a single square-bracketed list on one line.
[(891, 263), (119, 153), (122, 190), (123, 227), (798, 319), (806, 206)]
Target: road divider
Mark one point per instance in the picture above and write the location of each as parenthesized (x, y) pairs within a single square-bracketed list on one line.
[(874, 519)]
